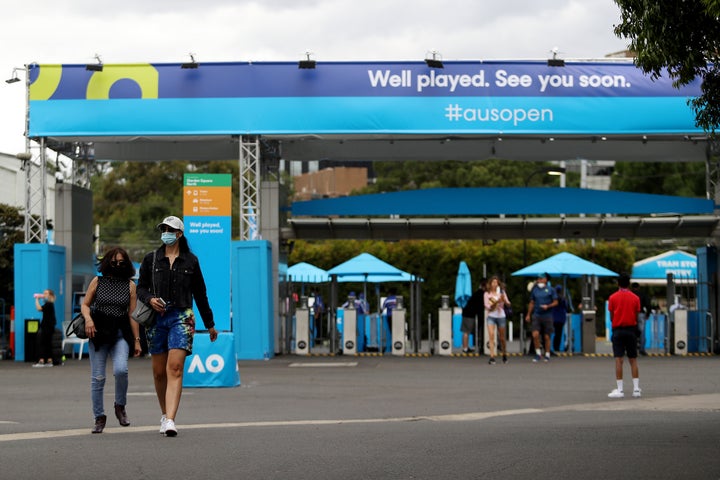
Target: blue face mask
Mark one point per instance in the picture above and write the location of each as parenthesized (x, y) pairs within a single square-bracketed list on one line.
[(168, 238)]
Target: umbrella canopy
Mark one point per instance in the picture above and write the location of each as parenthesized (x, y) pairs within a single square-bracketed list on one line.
[(654, 270), (564, 264), (368, 268), (307, 273), (463, 285)]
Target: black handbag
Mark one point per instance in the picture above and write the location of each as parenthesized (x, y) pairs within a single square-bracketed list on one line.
[(76, 327), (143, 313)]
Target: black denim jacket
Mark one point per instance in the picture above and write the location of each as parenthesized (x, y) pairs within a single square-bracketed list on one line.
[(179, 286)]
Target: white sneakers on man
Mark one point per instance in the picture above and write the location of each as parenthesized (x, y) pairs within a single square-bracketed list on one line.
[(616, 394), (637, 393)]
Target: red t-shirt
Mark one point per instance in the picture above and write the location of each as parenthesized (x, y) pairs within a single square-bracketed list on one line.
[(624, 307)]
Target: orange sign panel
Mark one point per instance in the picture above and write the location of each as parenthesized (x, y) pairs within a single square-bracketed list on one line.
[(207, 201)]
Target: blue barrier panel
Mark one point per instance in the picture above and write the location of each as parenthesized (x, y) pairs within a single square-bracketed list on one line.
[(697, 332), (655, 331), (576, 325), (38, 266), (457, 334), (386, 333), (252, 307), (339, 319), (361, 340), (212, 364)]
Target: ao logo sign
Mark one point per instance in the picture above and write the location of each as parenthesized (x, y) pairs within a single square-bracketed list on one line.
[(213, 364)]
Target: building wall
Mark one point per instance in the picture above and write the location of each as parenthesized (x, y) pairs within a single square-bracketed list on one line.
[(330, 183), (12, 185)]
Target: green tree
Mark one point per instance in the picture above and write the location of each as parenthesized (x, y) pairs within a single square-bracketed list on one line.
[(662, 178), (131, 197), (12, 222), (413, 175), (682, 38)]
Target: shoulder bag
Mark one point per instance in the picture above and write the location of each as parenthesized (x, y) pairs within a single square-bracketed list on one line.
[(77, 327), (507, 307), (143, 313)]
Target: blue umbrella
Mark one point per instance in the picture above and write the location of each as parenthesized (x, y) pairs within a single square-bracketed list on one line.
[(307, 273), (366, 268), (463, 285), (564, 264)]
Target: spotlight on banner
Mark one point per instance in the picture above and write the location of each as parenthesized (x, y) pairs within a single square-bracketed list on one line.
[(434, 60), (191, 64), (95, 67), (307, 63), (555, 61)]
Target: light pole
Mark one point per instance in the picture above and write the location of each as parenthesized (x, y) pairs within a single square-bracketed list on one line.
[(546, 171), (35, 171)]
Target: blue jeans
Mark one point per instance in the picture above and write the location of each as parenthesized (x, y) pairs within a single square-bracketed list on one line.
[(118, 352)]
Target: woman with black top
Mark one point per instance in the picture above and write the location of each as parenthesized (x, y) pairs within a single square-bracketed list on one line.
[(170, 279), (475, 307), (47, 327), (107, 305)]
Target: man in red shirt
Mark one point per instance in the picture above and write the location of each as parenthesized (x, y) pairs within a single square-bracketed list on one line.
[(624, 307)]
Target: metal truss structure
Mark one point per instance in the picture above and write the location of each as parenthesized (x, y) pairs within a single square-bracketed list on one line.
[(249, 188)]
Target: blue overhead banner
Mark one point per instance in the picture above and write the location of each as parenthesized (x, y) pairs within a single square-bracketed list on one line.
[(356, 98), (503, 201)]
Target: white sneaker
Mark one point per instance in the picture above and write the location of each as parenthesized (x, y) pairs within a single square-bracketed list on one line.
[(163, 424), (637, 393), (170, 430), (616, 394)]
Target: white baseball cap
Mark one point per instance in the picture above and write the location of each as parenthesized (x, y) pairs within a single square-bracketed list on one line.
[(172, 222)]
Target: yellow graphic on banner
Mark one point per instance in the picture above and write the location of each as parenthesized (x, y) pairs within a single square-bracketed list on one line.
[(144, 75), (207, 201), (46, 83)]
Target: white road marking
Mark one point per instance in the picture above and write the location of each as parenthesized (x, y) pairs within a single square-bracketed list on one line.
[(684, 403), (322, 365)]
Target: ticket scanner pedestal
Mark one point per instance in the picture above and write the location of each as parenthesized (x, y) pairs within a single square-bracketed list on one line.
[(445, 341), (588, 331), (302, 328), (680, 331), (349, 340), (398, 328)]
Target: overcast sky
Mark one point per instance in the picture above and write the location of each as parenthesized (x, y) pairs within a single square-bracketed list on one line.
[(73, 31)]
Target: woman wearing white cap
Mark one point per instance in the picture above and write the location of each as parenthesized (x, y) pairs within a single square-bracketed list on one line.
[(170, 279)]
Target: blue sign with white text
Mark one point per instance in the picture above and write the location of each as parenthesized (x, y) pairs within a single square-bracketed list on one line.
[(356, 98)]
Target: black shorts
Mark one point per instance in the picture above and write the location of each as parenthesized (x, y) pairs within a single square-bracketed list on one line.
[(624, 341), (467, 325), (543, 324)]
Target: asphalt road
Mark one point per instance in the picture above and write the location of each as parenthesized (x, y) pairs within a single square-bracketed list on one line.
[(374, 417)]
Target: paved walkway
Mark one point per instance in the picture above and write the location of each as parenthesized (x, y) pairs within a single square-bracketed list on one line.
[(374, 417)]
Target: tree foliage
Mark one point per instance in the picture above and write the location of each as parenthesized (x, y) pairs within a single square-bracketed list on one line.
[(661, 178), (12, 222), (682, 37), (130, 198), (413, 175)]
